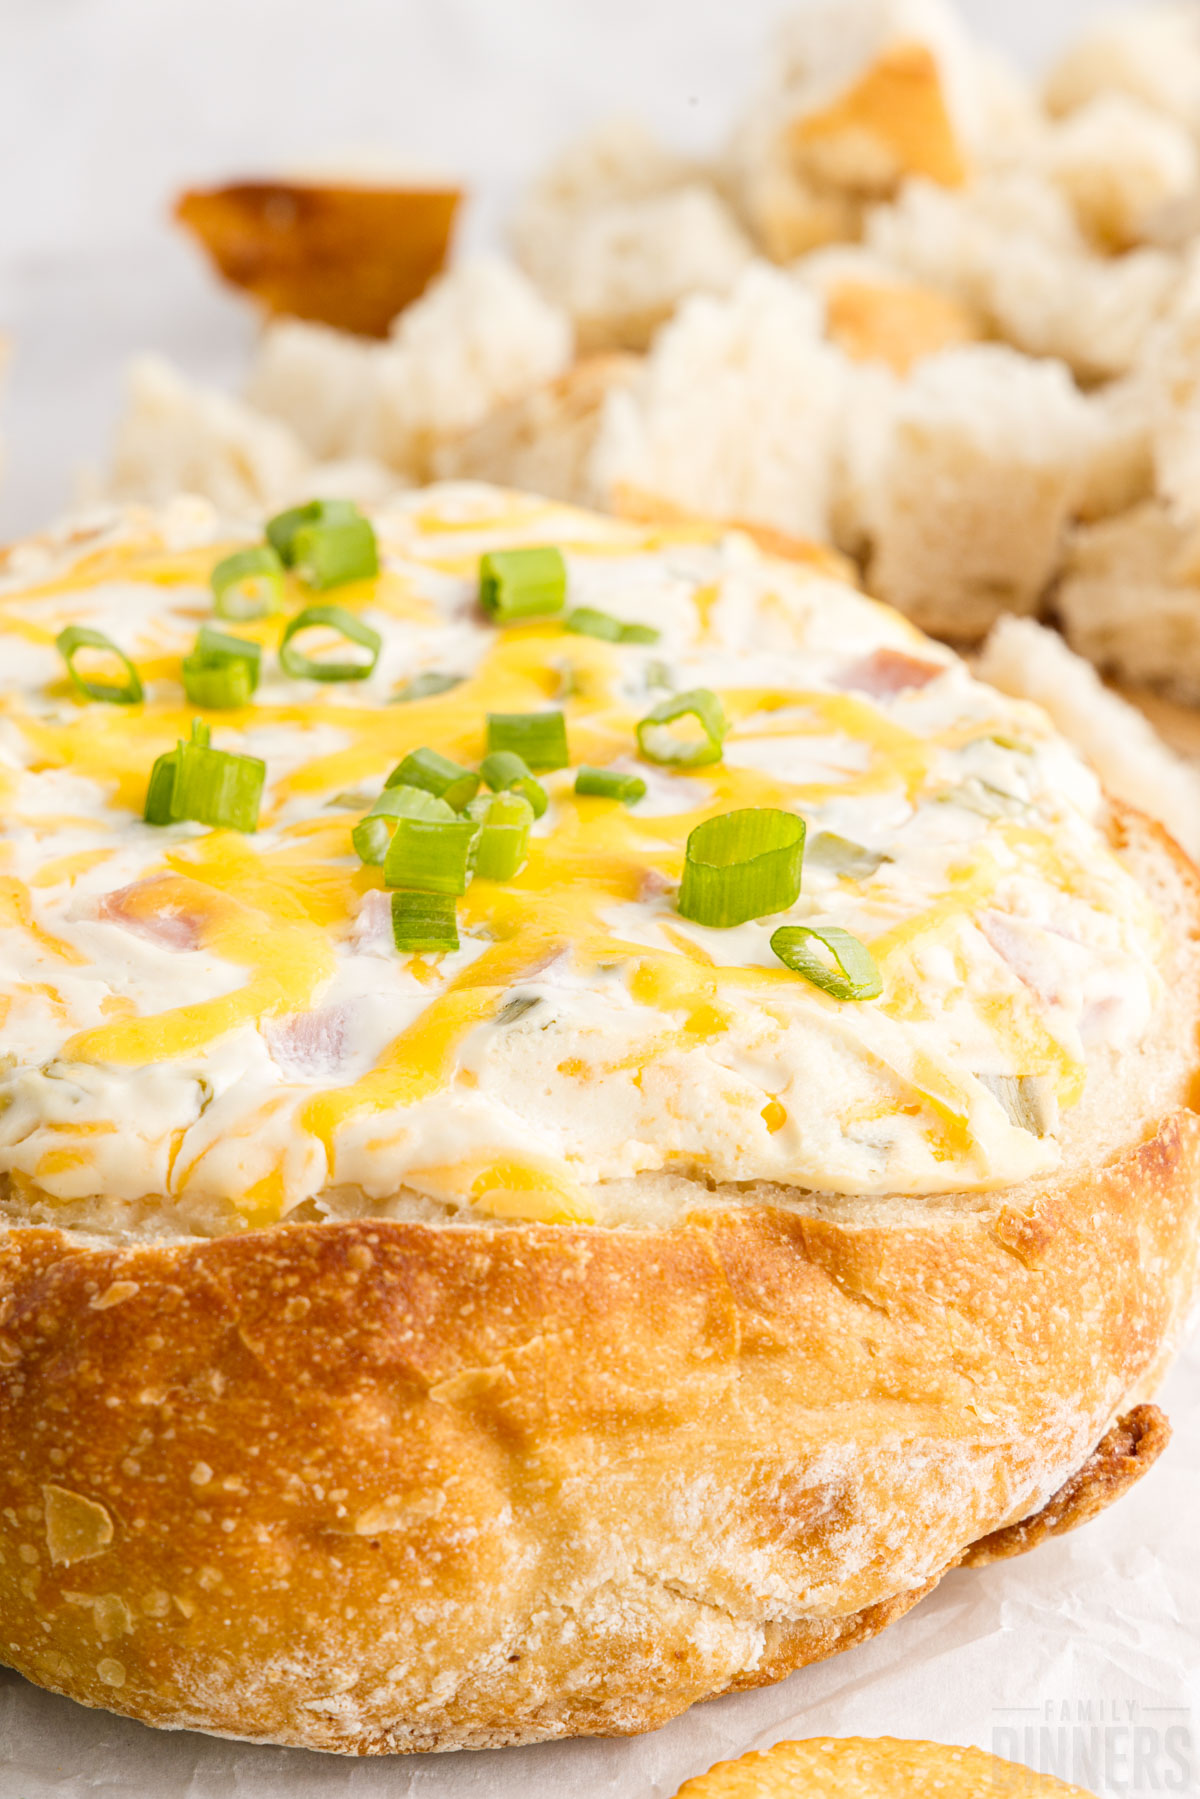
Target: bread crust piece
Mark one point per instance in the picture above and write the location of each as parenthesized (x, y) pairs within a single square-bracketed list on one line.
[(376, 1486)]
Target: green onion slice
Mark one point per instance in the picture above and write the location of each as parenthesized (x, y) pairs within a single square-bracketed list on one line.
[(702, 744), (372, 835), (326, 556), (248, 584), (586, 621), (222, 670), (335, 618), (450, 781), (607, 784), (515, 584), (424, 687), (539, 738), (210, 787), (742, 865), (504, 771), (854, 975), (431, 855), (283, 528), (424, 922), (505, 821), (842, 856), (82, 637)]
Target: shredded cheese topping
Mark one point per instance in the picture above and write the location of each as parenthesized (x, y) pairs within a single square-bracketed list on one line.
[(219, 1020)]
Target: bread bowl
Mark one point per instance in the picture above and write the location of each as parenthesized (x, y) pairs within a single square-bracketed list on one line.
[(413, 1352)]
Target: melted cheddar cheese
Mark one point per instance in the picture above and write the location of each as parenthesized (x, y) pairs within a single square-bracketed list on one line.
[(205, 1018)]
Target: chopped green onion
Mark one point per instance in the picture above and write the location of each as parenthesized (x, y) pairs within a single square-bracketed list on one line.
[(607, 784), (431, 855), (372, 835), (540, 738), (283, 528), (301, 667), (157, 810), (82, 637), (855, 975), (657, 742), (841, 856), (424, 687), (328, 556), (201, 733), (517, 584), (1027, 1098), (505, 821), (248, 584), (210, 787), (586, 621), (217, 686), (450, 781), (424, 922), (504, 771), (222, 670), (742, 865)]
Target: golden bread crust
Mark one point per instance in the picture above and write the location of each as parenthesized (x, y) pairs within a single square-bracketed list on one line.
[(374, 1486), (873, 1768)]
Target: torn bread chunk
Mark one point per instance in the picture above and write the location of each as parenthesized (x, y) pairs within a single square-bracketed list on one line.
[(482, 335), (1118, 470), (1130, 599), (546, 441), (735, 411), (315, 380), (863, 95), (1030, 662), (1122, 164), (619, 232), (1149, 51), (1010, 247), (179, 437), (877, 314), (973, 487)]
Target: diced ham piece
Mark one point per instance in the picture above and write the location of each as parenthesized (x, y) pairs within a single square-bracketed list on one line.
[(886, 673), (373, 925), (307, 1043), (166, 922)]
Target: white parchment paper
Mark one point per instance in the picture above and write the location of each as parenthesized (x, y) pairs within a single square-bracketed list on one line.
[(1082, 1659)]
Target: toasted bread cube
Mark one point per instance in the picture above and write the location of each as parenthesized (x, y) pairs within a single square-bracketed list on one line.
[(1130, 599), (973, 491), (1149, 51), (735, 413)]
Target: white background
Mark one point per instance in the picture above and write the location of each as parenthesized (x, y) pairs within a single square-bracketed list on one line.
[(106, 108)]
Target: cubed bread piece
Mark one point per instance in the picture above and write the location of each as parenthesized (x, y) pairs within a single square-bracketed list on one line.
[(876, 313), (619, 231), (735, 413), (1130, 599), (178, 437), (1030, 662), (317, 381), (482, 335), (621, 268), (544, 442), (864, 94), (1118, 469), (1010, 247), (972, 494), (1147, 50), (1121, 164)]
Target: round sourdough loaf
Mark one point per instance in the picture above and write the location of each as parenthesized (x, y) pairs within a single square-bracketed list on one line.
[(433, 1474)]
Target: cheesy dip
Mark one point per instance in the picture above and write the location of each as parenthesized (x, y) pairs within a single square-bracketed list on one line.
[(215, 1026)]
